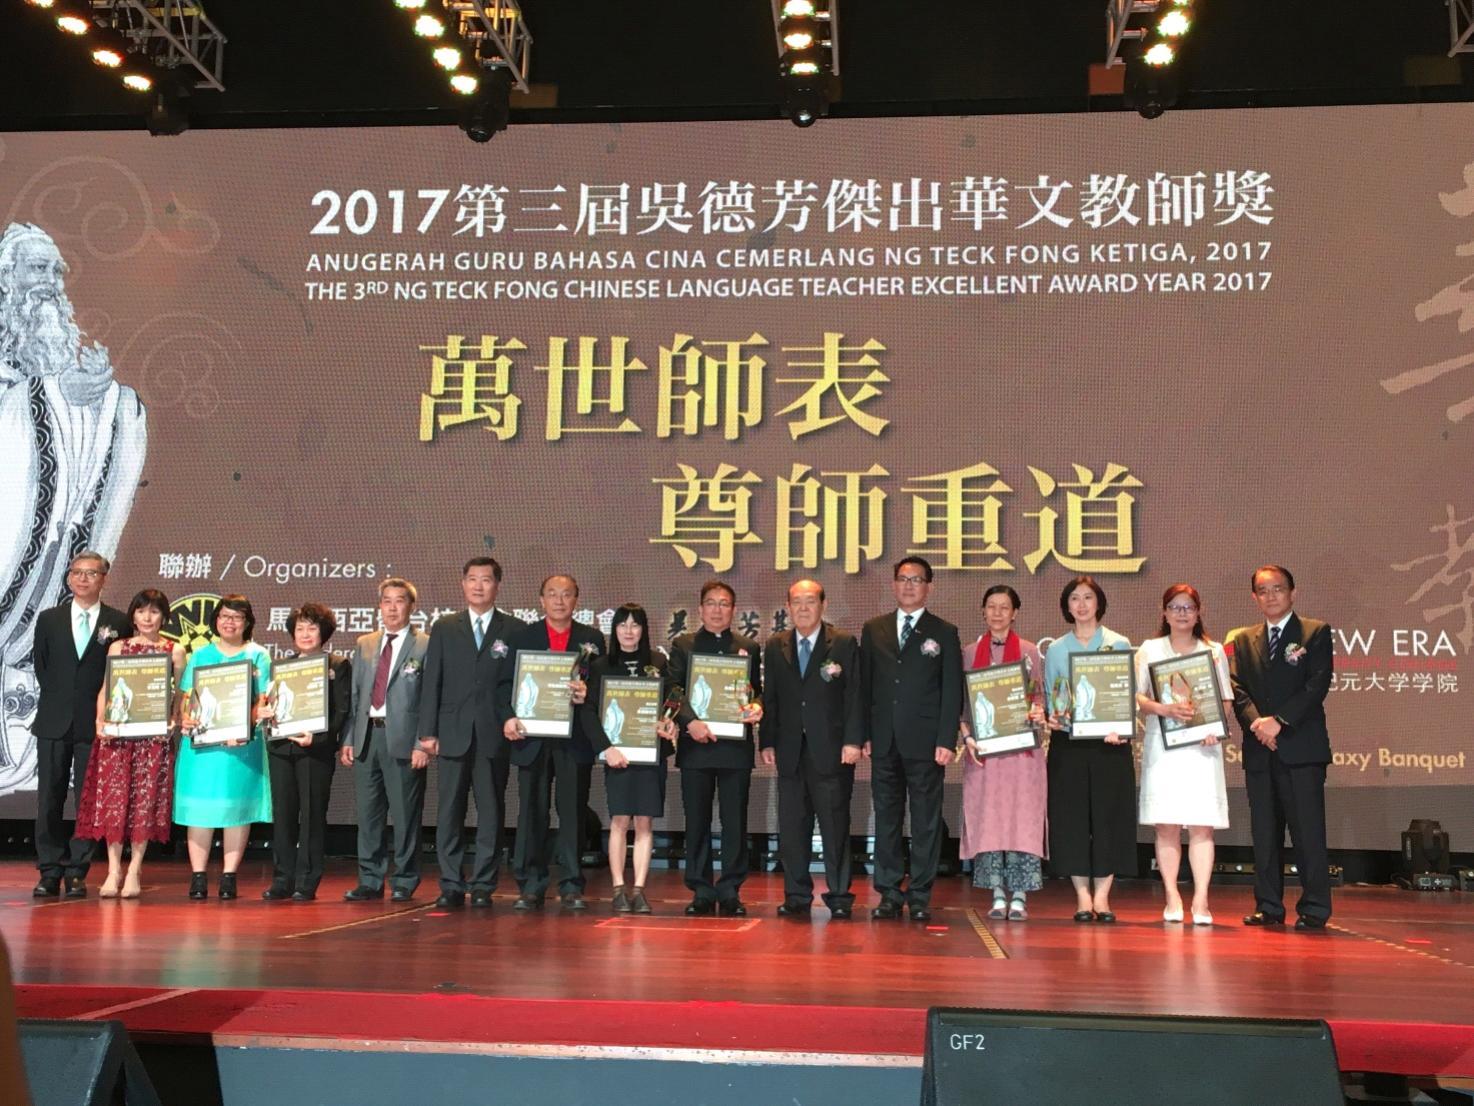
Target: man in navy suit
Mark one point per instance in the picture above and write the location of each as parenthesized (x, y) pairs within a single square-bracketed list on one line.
[(463, 708), (1281, 674), (70, 653), (911, 670)]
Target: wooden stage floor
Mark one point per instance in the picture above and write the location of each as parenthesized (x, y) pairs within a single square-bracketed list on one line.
[(1395, 967)]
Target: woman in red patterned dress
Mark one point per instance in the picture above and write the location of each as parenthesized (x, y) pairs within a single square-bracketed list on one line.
[(129, 792)]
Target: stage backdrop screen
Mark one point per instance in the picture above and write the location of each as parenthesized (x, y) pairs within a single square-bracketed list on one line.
[(292, 363)]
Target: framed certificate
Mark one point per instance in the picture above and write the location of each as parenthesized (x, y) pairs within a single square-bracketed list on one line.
[(998, 699), (140, 691), (1189, 679), (540, 693), (220, 703), (718, 691), (1103, 694), (299, 692), (629, 710)]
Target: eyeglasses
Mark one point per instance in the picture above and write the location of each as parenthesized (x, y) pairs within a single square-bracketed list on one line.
[(86, 573), (910, 579), (719, 604), (1271, 589), (1182, 608), (230, 616)]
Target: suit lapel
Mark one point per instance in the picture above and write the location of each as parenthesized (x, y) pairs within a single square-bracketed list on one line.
[(404, 651), (821, 649)]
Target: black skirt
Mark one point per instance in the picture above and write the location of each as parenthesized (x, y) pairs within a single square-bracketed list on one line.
[(638, 789), (1092, 807)]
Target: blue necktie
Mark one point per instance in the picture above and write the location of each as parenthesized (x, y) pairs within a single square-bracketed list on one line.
[(1274, 641), (803, 656), (83, 631), (480, 633), (905, 630)]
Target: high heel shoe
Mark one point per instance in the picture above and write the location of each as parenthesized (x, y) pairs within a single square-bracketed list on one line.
[(1170, 914), (227, 886), (1202, 918), (199, 886)]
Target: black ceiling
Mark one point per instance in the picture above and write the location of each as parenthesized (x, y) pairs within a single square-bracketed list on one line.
[(342, 62)]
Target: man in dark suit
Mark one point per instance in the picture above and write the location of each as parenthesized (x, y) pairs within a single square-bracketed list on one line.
[(813, 730), (911, 670), (70, 653), (1281, 675), (462, 710), (563, 765), (380, 743), (715, 767)]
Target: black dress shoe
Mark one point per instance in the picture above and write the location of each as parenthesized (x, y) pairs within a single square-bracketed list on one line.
[(840, 912), (76, 887), (574, 902), (1259, 918), (796, 909), (275, 892), (1105, 917), (481, 899), (199, 886), (1085, 915), (732, 908), (921, 913), (887, 910), (304, 896), (451, 900), (700, 907), (48, 888), (363, 894), (525, 903), (227, 886), (1303, 924), (400, 895)]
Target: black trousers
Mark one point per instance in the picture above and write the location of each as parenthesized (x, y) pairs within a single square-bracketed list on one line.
[(60, 764), (894, 779), (802, 797), (486, 778), (557, 771), (729, 787), (301, 780), (1293, 796), (386, 787)]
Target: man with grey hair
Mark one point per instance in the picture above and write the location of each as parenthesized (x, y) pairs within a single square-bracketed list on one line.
[(70, 651), (75, 441)]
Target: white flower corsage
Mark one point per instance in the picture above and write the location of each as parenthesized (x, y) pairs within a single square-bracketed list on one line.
[(1293, 653), (830, 670), (106, 634), (498, 648), (412, 668), (588, 649), (930, 648), (742, 652)]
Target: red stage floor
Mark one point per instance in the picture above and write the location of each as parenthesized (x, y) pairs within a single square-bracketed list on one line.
[(1394, 975)]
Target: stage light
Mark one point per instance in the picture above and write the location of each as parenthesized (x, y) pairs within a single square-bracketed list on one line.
[(801, 63), (1174, 24), (409, 5), (465, 83), (167, 114), (109, 48), (798, 8), (1159, 54), (799, 38), (428, 26), (138, 73), (138, 82), (490, 109), (73, 24), (447, 57), (804, 104), (42, 3)]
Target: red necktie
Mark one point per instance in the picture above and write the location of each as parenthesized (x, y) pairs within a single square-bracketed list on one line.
[(381, 674)]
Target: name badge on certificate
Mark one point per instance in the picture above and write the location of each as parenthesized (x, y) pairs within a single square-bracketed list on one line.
[(998, 698), (719, 691), (139, 691), (299, 692), (540, 693), (629, 711), (1193, 680), (1103, 694), (220, 704)]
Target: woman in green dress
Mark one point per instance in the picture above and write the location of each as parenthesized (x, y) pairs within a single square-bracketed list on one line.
[(224, 787)]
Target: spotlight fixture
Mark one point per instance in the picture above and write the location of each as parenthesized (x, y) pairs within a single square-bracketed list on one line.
[(73, 24), (109, 48), (465, 83), (409, 5), (797, 8), (167, 110), (1149, 23), (1159, 53), (1174, 24), (429, 26), (447, 57), (805, 104), (808, 57), (42, 3)]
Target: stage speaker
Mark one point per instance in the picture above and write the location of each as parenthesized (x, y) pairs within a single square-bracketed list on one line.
[(1002, 1057), (83, 1064), (1424, 847)]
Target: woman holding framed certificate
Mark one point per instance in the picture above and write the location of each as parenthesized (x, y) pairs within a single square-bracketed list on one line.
[(130, 775), (617, 726), (1186, 698), (311, 693), (222, 785), (1092, 781), (1004, 794)]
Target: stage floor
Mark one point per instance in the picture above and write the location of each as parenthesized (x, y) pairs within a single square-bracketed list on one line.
[(1394, 974)]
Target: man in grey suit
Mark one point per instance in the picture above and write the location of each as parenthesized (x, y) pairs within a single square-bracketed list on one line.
[(380, 744)]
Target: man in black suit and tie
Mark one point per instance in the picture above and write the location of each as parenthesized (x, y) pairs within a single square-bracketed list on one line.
[(715, 767), (1281, 674), (911, 671), (70, 653), (565, 765), (813, 730), (462, 710), (381, 745)]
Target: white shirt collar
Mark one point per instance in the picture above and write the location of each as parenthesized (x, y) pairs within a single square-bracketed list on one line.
[(914, 616), (78, 609), (1280, 625), (812, 639)]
